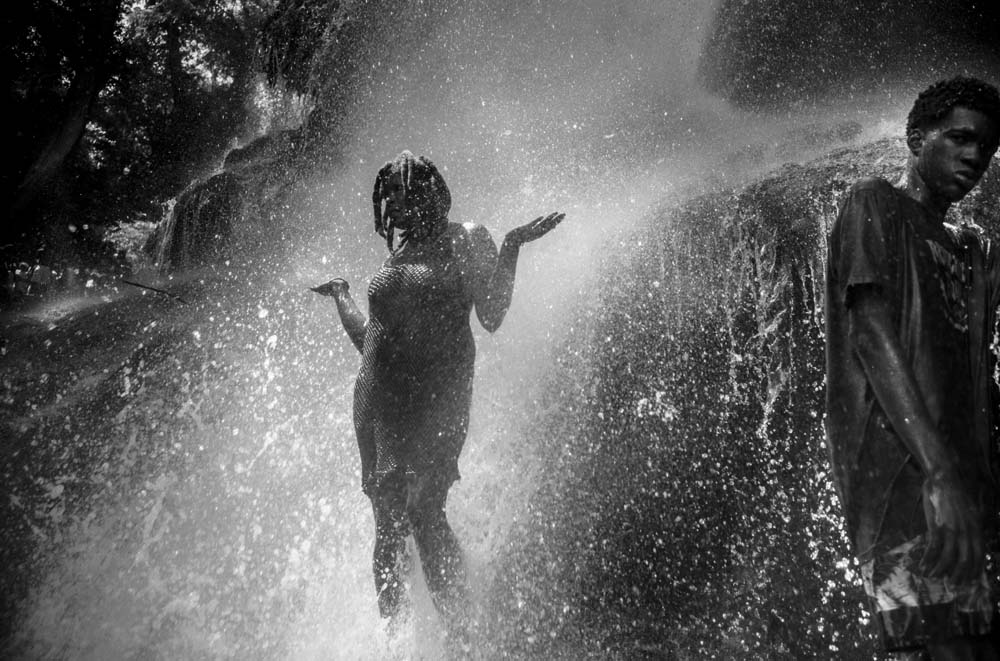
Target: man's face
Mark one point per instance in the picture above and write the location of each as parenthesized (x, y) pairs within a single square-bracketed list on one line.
[(952, 155)]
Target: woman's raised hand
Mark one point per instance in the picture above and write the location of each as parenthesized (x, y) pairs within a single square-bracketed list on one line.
[(535, 229), (332, 288)]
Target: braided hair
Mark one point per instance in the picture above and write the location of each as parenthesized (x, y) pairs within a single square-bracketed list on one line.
[(935, 102), (425, 193)]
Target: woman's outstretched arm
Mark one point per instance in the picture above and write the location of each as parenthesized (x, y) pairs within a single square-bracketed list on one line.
[(495, 273), (350, 315)]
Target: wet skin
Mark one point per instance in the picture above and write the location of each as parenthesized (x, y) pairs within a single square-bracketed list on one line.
[(949, 158)]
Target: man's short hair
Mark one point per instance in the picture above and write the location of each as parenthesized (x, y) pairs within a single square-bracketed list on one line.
[(935, 102)]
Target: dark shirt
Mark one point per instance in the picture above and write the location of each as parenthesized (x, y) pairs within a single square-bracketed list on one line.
[(885, 239)]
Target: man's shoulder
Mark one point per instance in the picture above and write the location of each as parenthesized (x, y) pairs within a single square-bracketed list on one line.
[(870, 197), (969, 235), (874, 185)]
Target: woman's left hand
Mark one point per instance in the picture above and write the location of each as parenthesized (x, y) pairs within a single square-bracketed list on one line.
[(535, 229)]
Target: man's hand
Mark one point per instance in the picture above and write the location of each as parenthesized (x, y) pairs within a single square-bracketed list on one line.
[(535, 229), (335, 287), (954, 539)]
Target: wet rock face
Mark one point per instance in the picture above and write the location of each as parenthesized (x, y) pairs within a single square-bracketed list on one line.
[(763, 53), (233, 214), (203, 218), (690, 507), (270, 148)]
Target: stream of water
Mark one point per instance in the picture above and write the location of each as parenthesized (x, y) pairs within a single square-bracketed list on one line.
[(218, 513)]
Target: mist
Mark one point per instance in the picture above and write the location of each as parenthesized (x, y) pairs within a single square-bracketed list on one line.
[(229, 522)]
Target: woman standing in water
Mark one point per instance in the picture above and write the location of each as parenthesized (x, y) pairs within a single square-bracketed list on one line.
[(412, 395)]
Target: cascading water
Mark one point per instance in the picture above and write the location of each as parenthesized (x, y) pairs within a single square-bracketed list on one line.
[(184, 480)]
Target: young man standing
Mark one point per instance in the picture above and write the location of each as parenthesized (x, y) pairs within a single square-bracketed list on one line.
[(911, 401)]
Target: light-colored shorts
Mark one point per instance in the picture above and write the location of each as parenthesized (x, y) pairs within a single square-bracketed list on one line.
[(911, 609)]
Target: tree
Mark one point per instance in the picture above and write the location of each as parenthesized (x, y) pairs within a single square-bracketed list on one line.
[(118, 107), (184, 95), (293, 39), (62, 55)]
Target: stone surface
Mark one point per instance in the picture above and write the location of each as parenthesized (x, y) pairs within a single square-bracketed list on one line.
[(767, 53)]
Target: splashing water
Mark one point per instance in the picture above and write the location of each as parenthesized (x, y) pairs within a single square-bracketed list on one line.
[(186, 480)]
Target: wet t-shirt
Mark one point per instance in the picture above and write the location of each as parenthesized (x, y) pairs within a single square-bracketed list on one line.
[(885, 239)]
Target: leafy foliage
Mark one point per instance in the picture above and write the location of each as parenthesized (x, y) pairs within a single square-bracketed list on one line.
[(168, 84), (292, 39), (59, 55)]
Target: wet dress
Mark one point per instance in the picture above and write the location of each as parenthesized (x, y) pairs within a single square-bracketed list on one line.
[(414, 389)]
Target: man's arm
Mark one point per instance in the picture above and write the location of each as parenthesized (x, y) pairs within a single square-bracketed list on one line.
[(955, 545)]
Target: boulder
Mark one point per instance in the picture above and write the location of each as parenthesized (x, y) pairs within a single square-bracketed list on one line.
[(766, 53)]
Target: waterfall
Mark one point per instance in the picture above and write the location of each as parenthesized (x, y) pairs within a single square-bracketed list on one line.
[(644, 469)]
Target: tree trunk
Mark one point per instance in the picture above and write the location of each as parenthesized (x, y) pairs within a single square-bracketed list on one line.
[(61, 139)]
